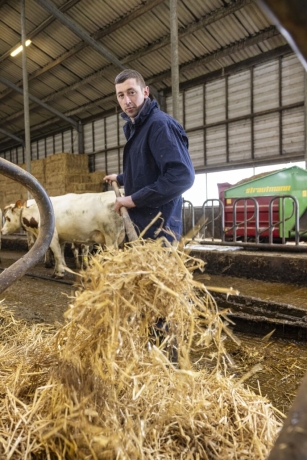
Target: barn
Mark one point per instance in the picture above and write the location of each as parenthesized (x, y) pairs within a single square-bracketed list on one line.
[(232, 72), (238, 89)]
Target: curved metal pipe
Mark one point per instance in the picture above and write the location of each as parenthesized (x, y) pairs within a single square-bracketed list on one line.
[(19, 268), (290, 17), (292, 440)]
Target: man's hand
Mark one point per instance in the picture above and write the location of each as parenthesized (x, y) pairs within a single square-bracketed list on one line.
[(123, 201), (110, 178)]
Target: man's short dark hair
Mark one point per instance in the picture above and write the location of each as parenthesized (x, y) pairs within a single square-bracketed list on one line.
[(130, 73)]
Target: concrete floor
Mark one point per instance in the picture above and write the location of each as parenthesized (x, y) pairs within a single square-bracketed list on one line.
[(35, 299), (37, 296), (289, 294)]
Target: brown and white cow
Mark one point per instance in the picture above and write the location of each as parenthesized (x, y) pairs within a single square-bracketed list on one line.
[(79, 218)]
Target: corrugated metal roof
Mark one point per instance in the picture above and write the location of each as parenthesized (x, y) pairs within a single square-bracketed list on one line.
[(74, 78)]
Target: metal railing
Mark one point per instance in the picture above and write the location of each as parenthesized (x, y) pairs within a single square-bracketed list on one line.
[(246, 221), (214, 218), (187, 206)]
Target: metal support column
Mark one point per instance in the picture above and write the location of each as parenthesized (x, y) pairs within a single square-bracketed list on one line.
[(80, 138), (25, 89), (174, 58), (305, 118)]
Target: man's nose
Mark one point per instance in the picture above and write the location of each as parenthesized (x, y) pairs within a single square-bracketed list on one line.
[(127, 99)]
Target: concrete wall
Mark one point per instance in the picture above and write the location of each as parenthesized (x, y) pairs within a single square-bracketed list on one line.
[(58, 174)]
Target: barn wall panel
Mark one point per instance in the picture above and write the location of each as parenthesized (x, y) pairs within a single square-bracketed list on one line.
[(239, 94), (41, 149), (111, 132), (67, 141), (196, 148), (99, 136), (266, 86), (216, 145), (293, 131), (20, 157), (100, 162), (58, 143), (215, 101), (240, 141), (34, 151), (88, 137), (292, 80), (169, 107), (194, 108), (266, 132), (122, 138), (49, 146), (112, 162), (75, 141)]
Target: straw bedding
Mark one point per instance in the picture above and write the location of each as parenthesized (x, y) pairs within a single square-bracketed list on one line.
[(102, 386)]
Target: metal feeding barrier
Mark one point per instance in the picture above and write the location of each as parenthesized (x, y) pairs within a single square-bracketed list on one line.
[(19, 268), (248, 224), (188, 214), (214, 218)]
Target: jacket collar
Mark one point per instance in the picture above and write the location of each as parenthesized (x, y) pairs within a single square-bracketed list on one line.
[(147, 107)]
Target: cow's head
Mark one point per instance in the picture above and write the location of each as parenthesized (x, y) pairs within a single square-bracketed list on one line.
[(12, 214)]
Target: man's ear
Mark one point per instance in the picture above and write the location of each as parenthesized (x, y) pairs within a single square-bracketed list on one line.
[(146, 92)]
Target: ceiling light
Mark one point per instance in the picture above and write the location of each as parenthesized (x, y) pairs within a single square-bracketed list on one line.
[(17, 50)]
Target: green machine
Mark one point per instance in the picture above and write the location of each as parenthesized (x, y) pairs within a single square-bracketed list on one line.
[(290, 181)]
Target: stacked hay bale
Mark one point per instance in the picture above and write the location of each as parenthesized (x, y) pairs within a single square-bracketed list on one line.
[(101, 387), (58, 174)]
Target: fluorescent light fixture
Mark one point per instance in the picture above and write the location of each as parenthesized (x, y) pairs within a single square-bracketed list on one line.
[(17, 50)]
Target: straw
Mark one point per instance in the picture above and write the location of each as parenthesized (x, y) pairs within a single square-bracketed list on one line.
[(102, 386)]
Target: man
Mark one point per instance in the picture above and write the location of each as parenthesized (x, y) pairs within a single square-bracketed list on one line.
[(157, 167)]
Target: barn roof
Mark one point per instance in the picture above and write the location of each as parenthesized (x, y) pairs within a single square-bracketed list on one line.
[(79, 46)]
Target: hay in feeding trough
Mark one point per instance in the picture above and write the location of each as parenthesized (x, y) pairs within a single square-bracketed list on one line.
[(102, 386)]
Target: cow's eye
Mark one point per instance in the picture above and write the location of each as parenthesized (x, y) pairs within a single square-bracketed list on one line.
[(8, 219)]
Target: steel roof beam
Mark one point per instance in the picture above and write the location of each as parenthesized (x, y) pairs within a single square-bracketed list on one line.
[(255, 40), (209, 19), (226, 51), (268, 55), (183, 32), (223, 52), (67, 5), (39, 102), (139, 11), (12, 136), (80, 32), (221, 13)]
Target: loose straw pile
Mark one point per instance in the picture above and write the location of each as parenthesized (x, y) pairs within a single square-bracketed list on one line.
[(102, 387)]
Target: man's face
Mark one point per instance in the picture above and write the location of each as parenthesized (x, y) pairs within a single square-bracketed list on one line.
[(131, 97)]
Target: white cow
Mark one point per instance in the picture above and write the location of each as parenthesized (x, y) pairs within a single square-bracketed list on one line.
[(79, 218)]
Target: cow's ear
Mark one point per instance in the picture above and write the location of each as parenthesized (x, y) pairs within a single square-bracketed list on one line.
[(18, 204)]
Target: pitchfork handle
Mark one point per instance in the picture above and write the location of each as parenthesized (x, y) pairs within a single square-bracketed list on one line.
[(129, 228)]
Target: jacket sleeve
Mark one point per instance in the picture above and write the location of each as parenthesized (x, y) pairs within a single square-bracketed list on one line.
[(168, 144), (120, 179)]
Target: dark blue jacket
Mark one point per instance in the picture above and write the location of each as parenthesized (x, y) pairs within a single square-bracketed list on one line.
[(157, 169)]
